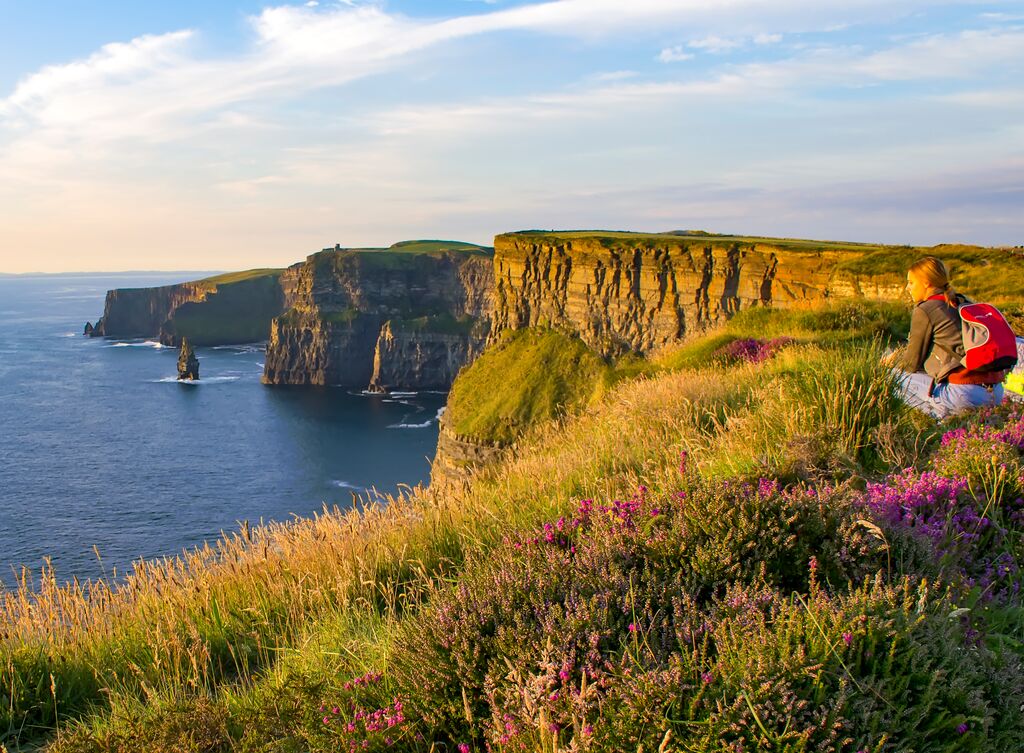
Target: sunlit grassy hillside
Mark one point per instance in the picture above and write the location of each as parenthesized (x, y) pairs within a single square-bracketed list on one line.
[(710, 553)]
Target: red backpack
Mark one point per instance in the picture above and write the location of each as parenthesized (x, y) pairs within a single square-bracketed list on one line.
[(989, 342)]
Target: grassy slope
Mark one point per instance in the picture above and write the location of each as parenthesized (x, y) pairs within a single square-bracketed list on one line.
[(528, 377), (537, 374), (245, 623)]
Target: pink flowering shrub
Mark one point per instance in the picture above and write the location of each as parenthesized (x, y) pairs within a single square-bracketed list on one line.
[(969, 511), (545, 631), (750, 350)]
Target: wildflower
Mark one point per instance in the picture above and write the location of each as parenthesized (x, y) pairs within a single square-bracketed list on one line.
[(632, 628), (847, 638), (327, 720), (587, 730), (707, 677), (463, 747), (962, 728)]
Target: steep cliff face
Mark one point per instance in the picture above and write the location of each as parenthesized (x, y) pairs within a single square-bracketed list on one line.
[(228, 309), (141, 312), (634, 293), (385, 319), (428, 360)]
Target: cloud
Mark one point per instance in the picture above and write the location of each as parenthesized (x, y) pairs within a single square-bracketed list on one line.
[(674, 54), (715, 44)]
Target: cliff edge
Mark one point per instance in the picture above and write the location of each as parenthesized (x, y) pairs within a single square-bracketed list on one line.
[(222, 310), (406, 317)]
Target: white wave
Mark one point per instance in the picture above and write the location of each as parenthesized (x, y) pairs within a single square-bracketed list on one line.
[(403, 394), (347, 485), (68, 334), (197, 382), (423, 425), (440, 411), (144, 344)]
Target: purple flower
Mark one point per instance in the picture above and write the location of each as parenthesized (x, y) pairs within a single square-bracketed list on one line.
[(847, 638), (632, 628), (463, 747), (707, 677)]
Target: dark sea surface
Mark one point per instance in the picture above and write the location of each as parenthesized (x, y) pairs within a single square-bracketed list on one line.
[(100, 446)]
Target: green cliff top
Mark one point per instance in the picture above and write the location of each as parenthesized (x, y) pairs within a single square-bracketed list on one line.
[(232, 277)]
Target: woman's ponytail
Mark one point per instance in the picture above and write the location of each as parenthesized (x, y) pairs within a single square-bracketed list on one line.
[(934, 273)]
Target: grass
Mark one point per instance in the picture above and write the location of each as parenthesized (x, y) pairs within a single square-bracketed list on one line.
[(444, 323), (534, 375), (234, 312), (232, 277), (530, 376), (236, 646)]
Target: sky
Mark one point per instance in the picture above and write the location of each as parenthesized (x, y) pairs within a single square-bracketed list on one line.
[(235, 134)]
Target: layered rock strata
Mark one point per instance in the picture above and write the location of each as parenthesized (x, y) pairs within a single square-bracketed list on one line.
[(381, 319), (634, 294)]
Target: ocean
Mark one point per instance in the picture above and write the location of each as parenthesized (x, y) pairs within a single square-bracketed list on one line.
[(102, 450)]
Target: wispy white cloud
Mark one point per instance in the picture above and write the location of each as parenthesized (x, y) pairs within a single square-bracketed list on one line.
[(715, 44), (162, 129), (674, 54)]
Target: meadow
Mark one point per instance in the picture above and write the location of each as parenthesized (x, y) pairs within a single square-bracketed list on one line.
[(742, 543)]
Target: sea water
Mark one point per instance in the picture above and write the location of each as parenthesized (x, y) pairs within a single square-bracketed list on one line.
[(103, 450)]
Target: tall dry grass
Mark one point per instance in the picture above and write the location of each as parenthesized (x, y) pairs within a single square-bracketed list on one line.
[(223, 613)]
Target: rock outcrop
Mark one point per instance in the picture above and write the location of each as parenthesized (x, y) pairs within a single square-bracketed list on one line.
[(228, 309), (457, 457), (188, 363), (381, 319), (624, 292)]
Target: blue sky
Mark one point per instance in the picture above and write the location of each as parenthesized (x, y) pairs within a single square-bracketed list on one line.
[(239, 134)]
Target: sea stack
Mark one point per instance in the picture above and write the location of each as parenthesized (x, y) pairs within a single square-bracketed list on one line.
[(188, 364)]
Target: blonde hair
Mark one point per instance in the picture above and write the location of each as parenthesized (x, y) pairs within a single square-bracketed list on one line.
[(935, 274)]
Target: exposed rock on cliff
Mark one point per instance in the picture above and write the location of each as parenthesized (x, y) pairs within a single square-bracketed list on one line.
[(457, 457), (630, 292), (188, 363), (402, 318), (232, 308)]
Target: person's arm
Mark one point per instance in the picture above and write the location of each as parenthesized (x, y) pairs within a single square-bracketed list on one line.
[(919, 342)]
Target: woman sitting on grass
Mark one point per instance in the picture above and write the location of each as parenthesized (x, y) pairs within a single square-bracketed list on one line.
[(935, 381)]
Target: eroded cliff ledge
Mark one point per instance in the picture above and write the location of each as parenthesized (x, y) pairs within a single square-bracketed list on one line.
[(407, 317), (625, 292), (227, 309)]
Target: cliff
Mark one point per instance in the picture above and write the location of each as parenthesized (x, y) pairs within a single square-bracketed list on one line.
[(226, 309), (407, 317), (630, 292)]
